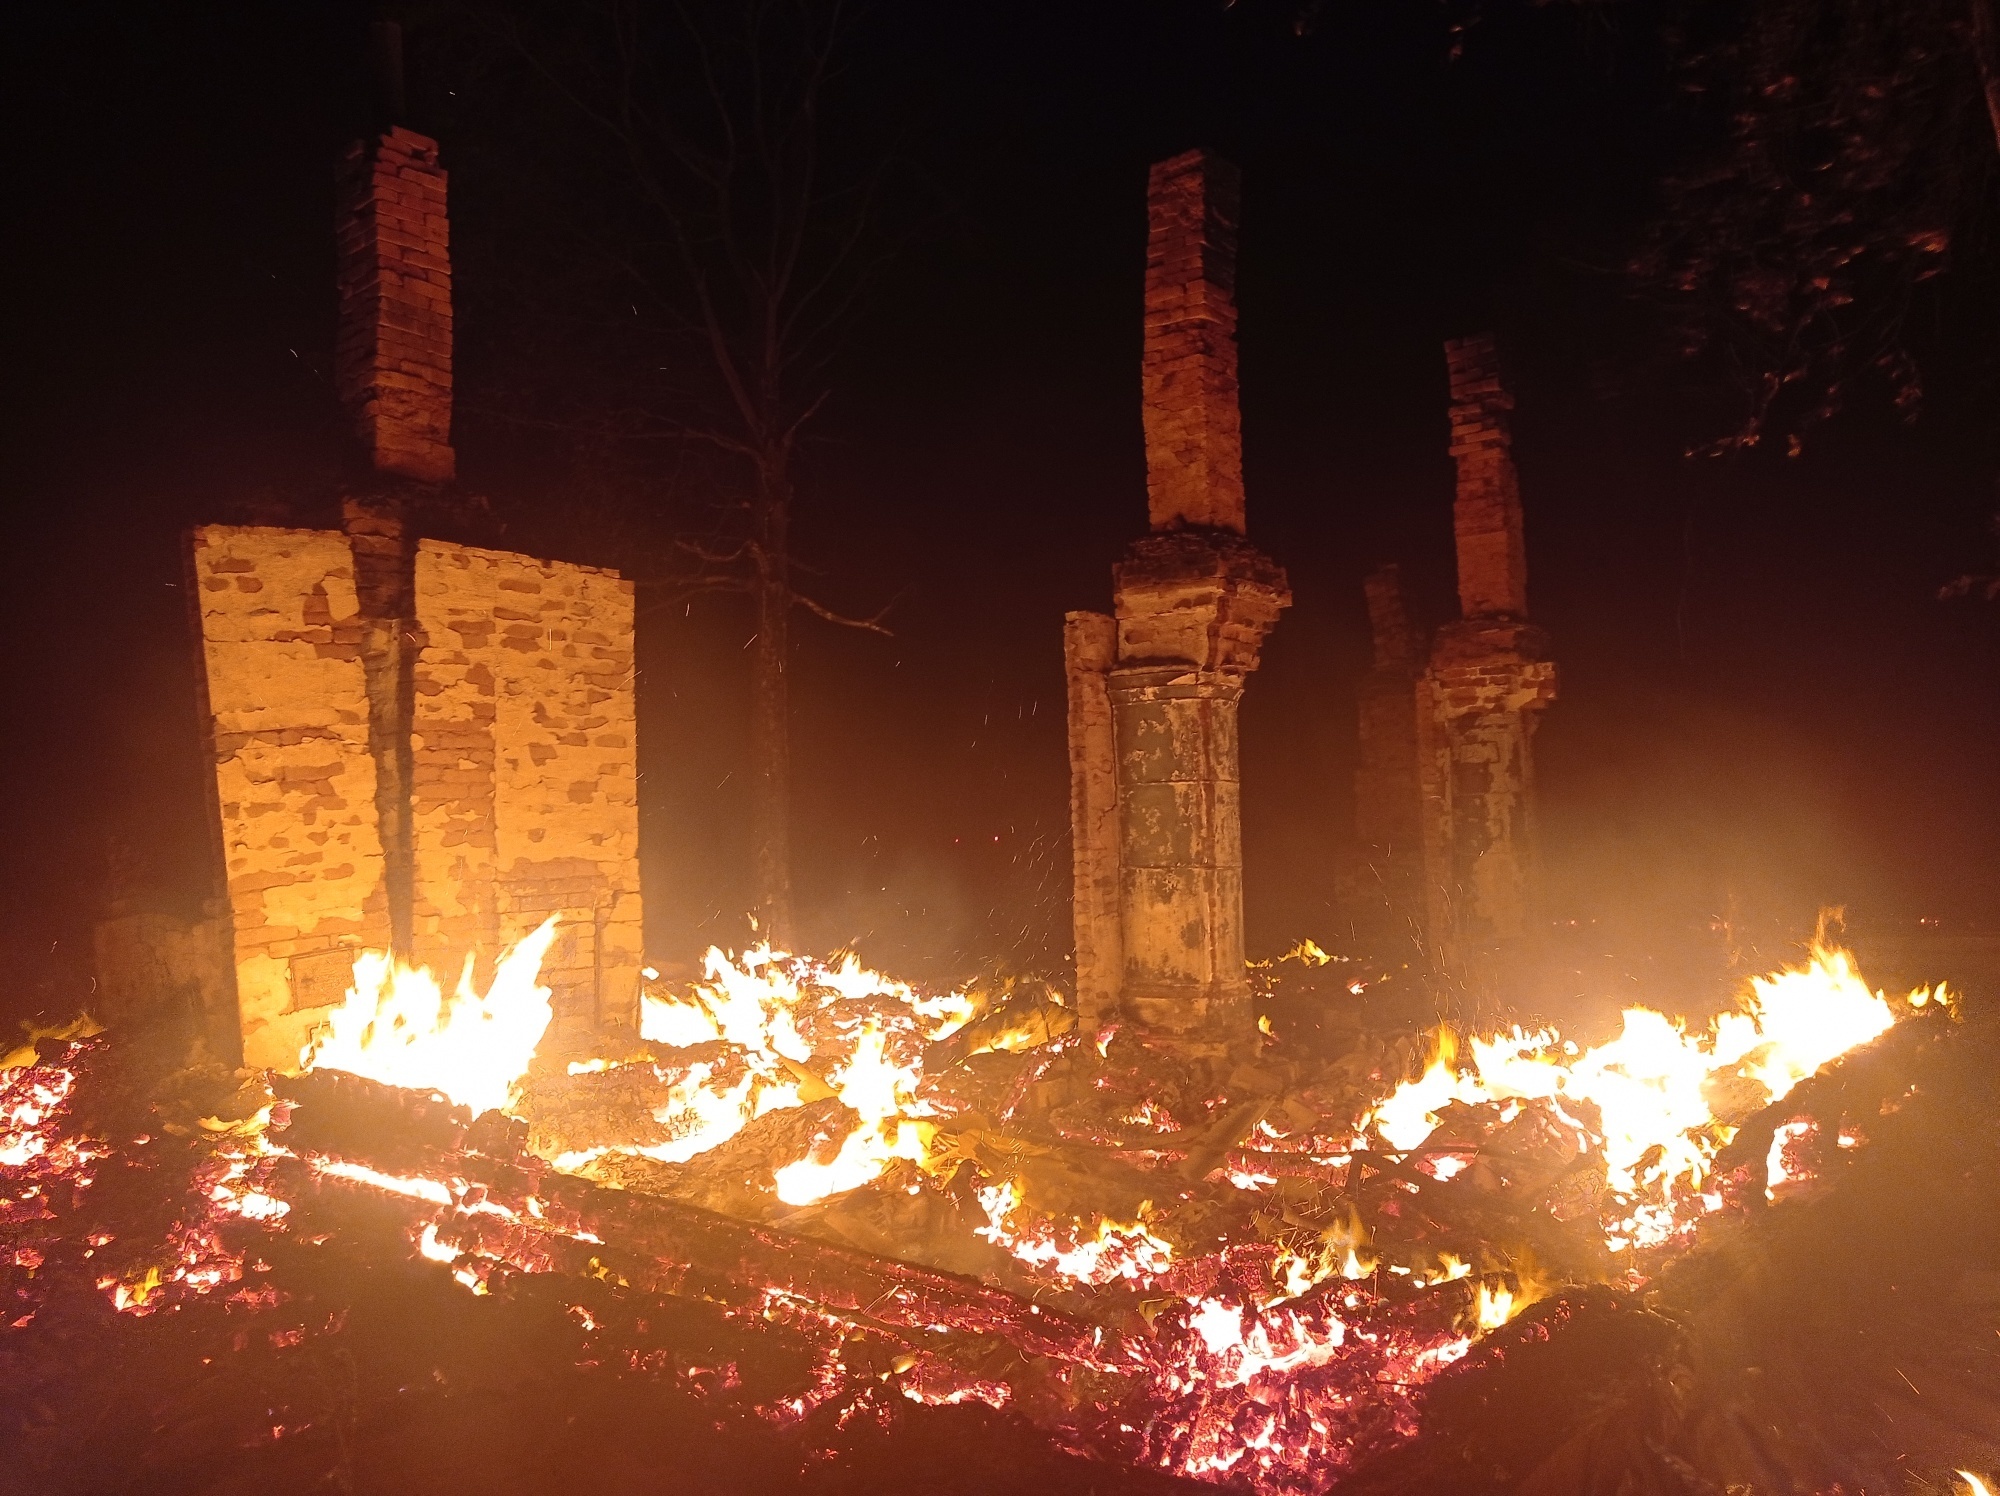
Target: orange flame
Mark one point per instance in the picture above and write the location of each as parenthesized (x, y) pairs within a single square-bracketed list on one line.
[(398, 1027)]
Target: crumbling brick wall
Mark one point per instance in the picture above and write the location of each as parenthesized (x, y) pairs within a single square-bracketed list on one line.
[(524, 775), (287, 710), (523, 772)]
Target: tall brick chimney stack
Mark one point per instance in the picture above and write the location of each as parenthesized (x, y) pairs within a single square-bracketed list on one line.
[(1194, 433), (1492, 559), (1488, 680), (1153, 690), (392, 359)]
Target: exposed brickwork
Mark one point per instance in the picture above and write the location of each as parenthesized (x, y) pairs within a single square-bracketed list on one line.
[(1486, 684), (1492, 557), (1090, 649), (518, 749), (1154, 792), (1194, 436), (524, 782), (1382, 887), (1489, 677), (287, 700), (392, 358)]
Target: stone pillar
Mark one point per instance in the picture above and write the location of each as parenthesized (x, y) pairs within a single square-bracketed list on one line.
[(1193, 610), (1090, 649), (1153, 694), (1488, 677), (1383, 887), (392, 357)]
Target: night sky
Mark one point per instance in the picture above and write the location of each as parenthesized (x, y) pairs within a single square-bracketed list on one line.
[(1765, 708)]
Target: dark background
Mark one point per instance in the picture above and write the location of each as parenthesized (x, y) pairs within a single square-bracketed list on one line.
[(1765, 708)]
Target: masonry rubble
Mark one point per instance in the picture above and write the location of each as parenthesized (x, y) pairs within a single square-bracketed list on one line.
[(417, 745), (1488, 677), (1153, 690)]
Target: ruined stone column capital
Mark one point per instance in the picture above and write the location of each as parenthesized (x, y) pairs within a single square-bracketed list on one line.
[(1133, 684), (1481, 665), (1202, 598)]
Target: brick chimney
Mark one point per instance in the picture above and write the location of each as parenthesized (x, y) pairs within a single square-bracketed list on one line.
[(1492, 559), (1194, 434), (392, 359)]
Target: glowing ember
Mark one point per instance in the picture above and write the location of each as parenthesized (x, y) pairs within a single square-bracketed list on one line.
[(1281, 1281), (1115, 1250), (398, 1027), (805, 1029)]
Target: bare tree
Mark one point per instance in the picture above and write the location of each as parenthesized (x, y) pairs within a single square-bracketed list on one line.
[(747, 237)]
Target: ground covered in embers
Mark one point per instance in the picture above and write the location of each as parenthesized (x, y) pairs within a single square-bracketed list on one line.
[(197, 1318), (1846, 1339), (335, 1360)]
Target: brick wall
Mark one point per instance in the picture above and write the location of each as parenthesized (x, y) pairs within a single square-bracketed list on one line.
[(1194, 437), (519, 743), (392, 357), (295, 781), (524, 780)]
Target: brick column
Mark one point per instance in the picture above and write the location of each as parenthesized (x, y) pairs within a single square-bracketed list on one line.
[(1383, 888), (392, 357), (1090, 649), (1156, 821), (1193, 611), (1489, 676), (1194, 435), (1486, 515)]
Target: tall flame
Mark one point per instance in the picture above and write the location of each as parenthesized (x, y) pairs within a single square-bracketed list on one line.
[(1652, 1087), (398, 1027), (805, 1028)]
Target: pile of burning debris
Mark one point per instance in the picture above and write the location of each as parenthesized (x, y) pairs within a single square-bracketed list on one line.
[(817, 1200)]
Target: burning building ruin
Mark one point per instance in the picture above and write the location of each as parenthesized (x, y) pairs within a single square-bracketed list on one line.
[(420, 747), (1140, 1222), (1155, 813), (1445, 792)]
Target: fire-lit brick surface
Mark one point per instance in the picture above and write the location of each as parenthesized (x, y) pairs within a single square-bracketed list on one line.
[(524, 780), (1153, 693), (1194, 432), (1488, 678), (392, 363), (1492, 558), (295, 782)]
